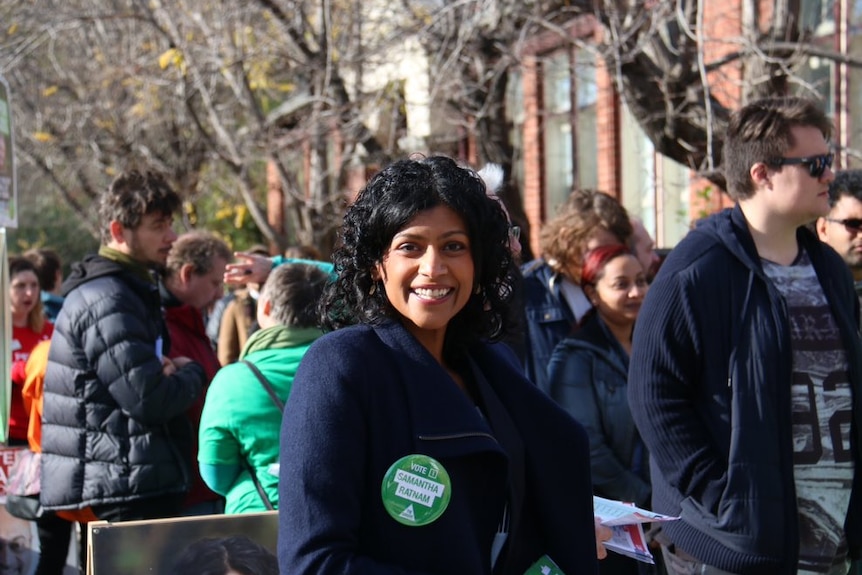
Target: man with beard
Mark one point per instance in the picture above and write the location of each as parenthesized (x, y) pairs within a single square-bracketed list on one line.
[(114, 427), (643, 246), (842, 227)]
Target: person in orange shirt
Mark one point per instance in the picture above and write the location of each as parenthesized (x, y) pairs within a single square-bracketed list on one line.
[(55, 528)]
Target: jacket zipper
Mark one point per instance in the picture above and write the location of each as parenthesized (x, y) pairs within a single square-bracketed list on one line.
[(457, 436)]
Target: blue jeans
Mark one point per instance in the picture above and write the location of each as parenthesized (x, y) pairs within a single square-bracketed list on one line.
[(678, 562)]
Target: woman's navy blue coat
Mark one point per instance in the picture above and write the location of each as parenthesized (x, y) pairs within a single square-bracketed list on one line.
[(365, 397)]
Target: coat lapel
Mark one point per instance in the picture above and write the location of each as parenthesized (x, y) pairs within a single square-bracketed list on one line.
[(445, 422)]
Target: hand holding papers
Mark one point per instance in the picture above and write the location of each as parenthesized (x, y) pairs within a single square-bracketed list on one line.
[(627, 521)]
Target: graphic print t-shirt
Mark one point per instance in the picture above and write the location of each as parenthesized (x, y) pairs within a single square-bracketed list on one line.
[(823, 466)]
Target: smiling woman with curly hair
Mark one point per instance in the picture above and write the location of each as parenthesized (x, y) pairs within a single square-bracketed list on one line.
[(410, 442), (391, 200)]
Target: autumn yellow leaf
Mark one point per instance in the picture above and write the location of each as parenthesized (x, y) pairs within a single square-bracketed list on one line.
[(166, 58), (258, 75), (43, 137), (224, 213), (50, 91), (174, 57), (12, 29), (241, 212), (191, 212)]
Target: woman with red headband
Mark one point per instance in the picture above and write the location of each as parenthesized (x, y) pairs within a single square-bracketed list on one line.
[(587, 375)]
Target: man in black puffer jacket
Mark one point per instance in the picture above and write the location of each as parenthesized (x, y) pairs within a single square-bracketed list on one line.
[(114, 430)]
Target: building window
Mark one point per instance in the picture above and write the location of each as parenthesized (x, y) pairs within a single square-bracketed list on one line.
[(637, 170), (587, 99), (569, 124), (817, 74), (854, 99), (673, 206), (854, 96), (516, 115), (557, 129), (654, 188), (818, 16)]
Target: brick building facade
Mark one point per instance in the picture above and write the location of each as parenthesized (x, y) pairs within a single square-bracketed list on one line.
[(574, 130)]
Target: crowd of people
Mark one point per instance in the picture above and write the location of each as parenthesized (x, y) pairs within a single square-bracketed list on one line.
[(425, 402)]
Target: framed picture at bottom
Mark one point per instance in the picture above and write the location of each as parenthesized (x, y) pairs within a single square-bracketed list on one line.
[(185, 545)]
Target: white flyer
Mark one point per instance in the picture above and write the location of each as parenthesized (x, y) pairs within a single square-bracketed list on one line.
[(626, 521)]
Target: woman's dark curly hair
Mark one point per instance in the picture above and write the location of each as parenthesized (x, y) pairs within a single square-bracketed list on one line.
[(390, 200)]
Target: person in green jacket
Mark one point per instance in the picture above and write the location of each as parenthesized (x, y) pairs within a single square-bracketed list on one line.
[(240, 423)]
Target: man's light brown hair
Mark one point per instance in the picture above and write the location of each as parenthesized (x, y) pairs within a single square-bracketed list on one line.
[(199, 249)]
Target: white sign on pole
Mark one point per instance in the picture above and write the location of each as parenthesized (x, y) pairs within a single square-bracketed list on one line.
[(6, 334), (8, 181)]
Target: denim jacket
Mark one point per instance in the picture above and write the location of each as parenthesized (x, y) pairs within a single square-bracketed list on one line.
[(548, 318), (587, 376)]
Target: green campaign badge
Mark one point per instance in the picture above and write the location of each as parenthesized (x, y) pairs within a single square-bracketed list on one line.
[(416, 490)]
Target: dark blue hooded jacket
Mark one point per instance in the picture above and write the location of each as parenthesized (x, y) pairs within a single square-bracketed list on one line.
[(710, 392)]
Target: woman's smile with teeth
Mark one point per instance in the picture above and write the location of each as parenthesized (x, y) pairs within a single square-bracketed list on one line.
[(430, 293)]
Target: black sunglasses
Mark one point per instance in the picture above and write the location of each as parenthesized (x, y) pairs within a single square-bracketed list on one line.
[(854, 224), (816, 164)]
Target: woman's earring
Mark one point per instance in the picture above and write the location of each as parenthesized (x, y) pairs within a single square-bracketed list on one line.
[(373, 289)]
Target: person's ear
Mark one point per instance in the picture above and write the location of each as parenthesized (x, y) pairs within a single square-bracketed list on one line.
[(760, 174), (820, 226), (117, 229), (186, 272), (267, 307), (590, 292)]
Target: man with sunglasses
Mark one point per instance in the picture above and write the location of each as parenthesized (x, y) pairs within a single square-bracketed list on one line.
[(745, 363), (841, 228)]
